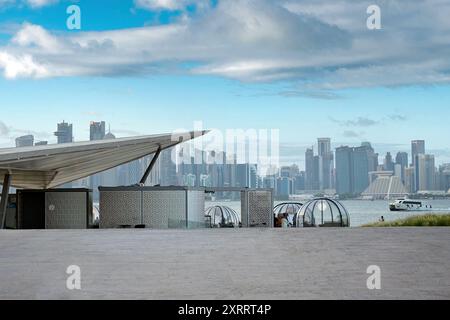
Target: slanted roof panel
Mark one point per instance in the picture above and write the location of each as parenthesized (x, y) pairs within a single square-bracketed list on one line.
[(52, 165)]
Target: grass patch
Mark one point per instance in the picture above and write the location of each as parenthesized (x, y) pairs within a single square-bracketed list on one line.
[(426, 220)]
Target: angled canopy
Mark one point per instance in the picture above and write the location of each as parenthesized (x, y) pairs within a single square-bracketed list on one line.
[(48, 166)]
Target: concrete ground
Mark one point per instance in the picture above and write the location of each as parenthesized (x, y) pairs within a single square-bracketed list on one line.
[(323, 263)]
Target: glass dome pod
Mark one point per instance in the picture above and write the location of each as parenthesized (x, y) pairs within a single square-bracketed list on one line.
[(222, 217), (291, 208), (322, 212)]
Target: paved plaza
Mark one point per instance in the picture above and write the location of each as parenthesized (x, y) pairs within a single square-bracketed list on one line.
[(322, 263)]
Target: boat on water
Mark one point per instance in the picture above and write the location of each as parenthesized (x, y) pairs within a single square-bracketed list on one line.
[(409, 205)]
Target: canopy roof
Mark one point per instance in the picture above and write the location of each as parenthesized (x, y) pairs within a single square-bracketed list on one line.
[(48, 166)]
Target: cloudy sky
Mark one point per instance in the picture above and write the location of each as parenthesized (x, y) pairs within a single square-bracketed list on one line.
[(308, 67)]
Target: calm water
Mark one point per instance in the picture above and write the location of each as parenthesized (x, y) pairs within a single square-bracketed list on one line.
[(361, 211)]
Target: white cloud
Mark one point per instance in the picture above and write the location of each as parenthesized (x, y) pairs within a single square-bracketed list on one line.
[(160, 4), (170, 4), (40, 3), (35, 4), (21, 66), (314, 44)]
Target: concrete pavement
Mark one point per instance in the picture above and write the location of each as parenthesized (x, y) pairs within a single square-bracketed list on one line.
[(323, 263)]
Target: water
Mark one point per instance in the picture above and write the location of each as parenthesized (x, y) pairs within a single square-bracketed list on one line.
[(362, 211)]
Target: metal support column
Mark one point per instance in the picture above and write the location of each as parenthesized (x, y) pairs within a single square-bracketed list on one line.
[(4, 200), (150, 166)]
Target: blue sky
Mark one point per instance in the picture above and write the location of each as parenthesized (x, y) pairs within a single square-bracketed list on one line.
[(307, 68)]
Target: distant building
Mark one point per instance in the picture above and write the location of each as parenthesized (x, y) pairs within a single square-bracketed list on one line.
[(409, 180), (299, 183), (41, 143), (444, 176), (352, 168), (426, 172), (344, 170), (97, 130), (388, 163), (385, 186), (310, 175), (284, 187), (325, 163), (417, 147), (402, 159), (64, 133), (360, 169), (25, 141), (168, 169)]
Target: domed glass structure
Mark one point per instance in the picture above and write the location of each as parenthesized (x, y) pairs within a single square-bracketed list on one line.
[(322, 212), (222, 217), (291, 208)]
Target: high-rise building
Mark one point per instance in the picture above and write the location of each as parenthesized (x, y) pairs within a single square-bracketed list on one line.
[(402, 159), (299, 183), (97, 130), (325, 163), (25, 141), (344, 170), (285, 187), (426, 172), (417, 147), (444, 177), (409, 179), (168, 175), (360, 169), (323, 146), (352, 169), (388, 163), (372, 156), (309, 169), (64, 132)]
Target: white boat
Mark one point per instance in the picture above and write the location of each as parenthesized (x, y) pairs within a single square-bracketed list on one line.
[(408, 205)]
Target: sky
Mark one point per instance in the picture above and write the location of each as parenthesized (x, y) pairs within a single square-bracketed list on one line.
[(309, 68)]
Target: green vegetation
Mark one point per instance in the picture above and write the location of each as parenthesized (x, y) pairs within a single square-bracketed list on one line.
[(426, 220)]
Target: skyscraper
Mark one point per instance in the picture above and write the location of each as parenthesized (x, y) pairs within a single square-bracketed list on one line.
[(409, 179), (344, 176), (352, 169), (417, 147), (309, 169), (388, 163), (168, 169), (402, 159), (360, 162), (426, 172), (372, 156), (97, 130), (325, 163), (64, 132), (25, 141)]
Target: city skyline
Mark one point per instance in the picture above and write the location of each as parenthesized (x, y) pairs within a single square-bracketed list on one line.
[(95, 128), (345, 170), (268, 67)]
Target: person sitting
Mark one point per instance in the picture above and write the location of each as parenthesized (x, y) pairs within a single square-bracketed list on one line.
[(277, 222), (381, 219)]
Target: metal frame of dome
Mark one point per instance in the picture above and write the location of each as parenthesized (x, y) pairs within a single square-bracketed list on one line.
[(284, 208), (222, 217), (331, 213)]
